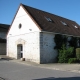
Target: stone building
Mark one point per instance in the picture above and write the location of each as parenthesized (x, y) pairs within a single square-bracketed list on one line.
[(32, 31)]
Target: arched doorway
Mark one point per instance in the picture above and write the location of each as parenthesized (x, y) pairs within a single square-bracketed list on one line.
[(19, 51)]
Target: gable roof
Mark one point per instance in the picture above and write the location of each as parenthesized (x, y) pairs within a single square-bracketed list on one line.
[(4, 27), (53, 23)]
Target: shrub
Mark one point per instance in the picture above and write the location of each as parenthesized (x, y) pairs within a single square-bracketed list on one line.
[(78, 53), (62, 55), (72, 60), (65, 54)]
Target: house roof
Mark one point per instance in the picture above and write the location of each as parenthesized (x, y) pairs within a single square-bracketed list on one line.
[(4, 27), (53, 23)]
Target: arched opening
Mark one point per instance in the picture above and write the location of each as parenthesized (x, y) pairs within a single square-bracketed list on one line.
[(19, 51)]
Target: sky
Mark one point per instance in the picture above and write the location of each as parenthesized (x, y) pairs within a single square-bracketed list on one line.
[(69, 9)]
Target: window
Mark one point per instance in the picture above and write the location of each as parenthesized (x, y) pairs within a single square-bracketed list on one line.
[(63, 23), (75, 26), (20, 25), (49, 19)]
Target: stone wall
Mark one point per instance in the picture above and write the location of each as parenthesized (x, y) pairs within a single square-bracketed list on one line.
[(47, 52)]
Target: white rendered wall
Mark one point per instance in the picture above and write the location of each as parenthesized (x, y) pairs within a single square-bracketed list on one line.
[(31, 50), (28, 24), (47, 52), (28, 35)]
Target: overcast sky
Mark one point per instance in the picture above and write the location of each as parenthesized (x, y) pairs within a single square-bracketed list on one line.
[(66, 8)]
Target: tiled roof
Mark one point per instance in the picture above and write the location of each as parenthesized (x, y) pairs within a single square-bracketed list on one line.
[(53, 23), (4, 27)]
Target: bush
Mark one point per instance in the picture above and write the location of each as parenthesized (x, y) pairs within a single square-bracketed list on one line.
[(65, 54), (78, 53), (72, 60), (62, 58)]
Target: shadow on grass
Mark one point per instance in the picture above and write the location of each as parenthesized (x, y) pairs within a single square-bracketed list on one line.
[(66, 78)]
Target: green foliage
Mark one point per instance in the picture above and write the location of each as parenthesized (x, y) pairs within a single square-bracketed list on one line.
[(70, 51), (64, 54), (72, 60), (79, 42), (60, 40), (78, 53), (73, 42)]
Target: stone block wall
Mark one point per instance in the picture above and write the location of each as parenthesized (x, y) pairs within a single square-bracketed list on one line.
[(47, 52)]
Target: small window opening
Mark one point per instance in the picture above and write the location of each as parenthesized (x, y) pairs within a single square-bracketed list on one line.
[(75, 26), (49, 19), (63, 23), (20, 25)]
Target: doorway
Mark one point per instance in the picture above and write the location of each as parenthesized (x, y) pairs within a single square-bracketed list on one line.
[(19, 51)]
